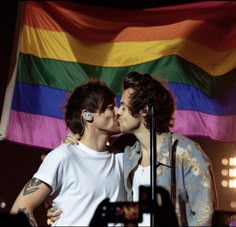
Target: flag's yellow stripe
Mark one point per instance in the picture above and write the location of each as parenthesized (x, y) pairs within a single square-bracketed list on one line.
[(62, 46), (200, 22)]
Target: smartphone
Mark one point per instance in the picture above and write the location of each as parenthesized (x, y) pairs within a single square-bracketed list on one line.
[(124, 212), (132, 212), (116, 212)]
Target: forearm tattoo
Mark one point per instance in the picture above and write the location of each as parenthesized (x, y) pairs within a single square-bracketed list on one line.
[(30, 217), (31, 186)]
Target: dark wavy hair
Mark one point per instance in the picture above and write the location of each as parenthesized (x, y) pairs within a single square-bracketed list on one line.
[(93, 96), (146, 89)]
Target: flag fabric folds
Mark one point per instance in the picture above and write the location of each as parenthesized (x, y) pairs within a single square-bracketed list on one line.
[(62, 44)]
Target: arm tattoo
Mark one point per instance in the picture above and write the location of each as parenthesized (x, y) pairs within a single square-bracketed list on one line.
[(30, 217), (31, 186)]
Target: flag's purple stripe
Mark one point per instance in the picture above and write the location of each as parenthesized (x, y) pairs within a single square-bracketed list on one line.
[(35, 130), (42, 131), (192, 123), (191, 98)]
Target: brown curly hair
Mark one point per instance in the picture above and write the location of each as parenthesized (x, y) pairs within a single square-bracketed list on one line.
[(145, 88)]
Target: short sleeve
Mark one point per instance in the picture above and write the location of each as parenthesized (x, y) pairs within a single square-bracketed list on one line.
[(51, 170)]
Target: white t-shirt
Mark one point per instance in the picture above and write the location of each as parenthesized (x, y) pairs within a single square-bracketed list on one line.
[(80, 179), (141, 177)]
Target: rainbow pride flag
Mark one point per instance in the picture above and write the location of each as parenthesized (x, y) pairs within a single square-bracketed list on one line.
[(61, 44)]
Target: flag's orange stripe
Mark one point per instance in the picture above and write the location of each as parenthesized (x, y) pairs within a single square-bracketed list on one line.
[(100, 24)]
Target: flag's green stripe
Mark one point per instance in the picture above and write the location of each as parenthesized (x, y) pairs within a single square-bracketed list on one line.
[(65, 75), (64, 47)]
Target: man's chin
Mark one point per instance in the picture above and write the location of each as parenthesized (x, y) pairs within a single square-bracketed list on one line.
[(115, 132)]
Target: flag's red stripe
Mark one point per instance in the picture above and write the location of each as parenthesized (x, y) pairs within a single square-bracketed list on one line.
[(189, 21)]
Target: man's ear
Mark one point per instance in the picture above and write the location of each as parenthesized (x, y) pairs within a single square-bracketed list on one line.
[(88, 116), (144, 111)]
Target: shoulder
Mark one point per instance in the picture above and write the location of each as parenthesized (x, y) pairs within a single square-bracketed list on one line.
[(119, 156), (62, 152), (133, 150), (190, 150), (188, 145)]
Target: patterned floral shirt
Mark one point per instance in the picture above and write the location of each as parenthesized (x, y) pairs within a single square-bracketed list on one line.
[(195, 189)]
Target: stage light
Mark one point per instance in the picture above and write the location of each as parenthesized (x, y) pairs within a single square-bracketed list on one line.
[(229, 172), (224, 183), (232, 172), (2, 204), (232, 161), (232, 183), (233, 204), (225, 161), (224, 172)]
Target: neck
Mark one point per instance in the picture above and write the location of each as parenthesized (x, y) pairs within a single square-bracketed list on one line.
[(95, 141), (143, 137), (144, 140)]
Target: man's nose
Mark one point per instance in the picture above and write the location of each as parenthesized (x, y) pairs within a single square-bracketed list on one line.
[(116, 109), (117, 112)]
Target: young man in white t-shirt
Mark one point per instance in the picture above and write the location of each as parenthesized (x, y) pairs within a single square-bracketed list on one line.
[(76, 178)]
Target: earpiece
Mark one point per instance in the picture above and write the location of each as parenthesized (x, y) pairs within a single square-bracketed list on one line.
[(88, 115)]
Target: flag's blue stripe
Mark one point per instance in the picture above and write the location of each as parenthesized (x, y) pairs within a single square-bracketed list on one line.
[(39, 99), (191, 98), (48, 101)]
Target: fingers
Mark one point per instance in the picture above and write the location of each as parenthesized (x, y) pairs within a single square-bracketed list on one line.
[(53, 214), (72, 138), (77, 136), (50, 211), (49, 222)]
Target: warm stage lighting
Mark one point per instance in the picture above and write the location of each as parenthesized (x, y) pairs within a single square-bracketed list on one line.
[(228, 180), (229, 172), (224, 172), (232, 183), (232, 172), (224, 183), (225, 161), (232, 161), (233, 204)]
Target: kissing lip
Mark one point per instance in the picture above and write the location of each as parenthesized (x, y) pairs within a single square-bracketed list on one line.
[(116, 121)]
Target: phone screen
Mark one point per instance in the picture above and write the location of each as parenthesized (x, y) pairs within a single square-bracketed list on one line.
[(124, 212)]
